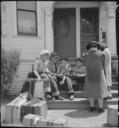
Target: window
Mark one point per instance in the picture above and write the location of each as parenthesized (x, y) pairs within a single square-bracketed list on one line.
[(26, 18)]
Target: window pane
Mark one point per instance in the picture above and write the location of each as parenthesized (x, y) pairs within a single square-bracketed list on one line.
[(27, 5), (26, 22), (89, 19)]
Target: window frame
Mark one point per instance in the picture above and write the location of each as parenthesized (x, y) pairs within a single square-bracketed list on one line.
[(26, 10)]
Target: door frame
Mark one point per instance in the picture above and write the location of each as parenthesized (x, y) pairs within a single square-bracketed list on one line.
[(77, 6)]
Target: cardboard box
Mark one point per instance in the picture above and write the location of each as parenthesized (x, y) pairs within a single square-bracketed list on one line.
[(112, 115), (30, 120), (13, 110), (38, 107)]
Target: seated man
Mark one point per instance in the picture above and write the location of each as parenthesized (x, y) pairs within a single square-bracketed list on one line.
[(57, 70), (63, 76), (41, 71)]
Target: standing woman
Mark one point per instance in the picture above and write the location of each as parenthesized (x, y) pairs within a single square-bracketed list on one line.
[(95, 80), (104, 47)]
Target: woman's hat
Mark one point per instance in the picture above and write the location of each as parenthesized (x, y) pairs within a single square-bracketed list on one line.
[(43, 52), (92, 44)]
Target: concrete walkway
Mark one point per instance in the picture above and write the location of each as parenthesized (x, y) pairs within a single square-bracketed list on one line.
[(82, 117), (76, 118)]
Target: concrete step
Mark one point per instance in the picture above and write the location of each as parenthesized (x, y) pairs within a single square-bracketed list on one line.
[(77, 103), (82, 94), (115, 85)]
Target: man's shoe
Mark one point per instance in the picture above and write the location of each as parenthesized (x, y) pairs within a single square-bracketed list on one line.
[(105, 98), (100, 110), (110, 97), (59, 98), (48, 97), (71, 97), (92, 109)]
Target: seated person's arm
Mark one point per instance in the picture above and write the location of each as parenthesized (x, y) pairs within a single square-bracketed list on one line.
[(35, 70), (59, 70)]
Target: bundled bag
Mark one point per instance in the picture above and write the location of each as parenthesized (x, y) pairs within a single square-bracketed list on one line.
[(51, 120), (30, 120), (13, 109)]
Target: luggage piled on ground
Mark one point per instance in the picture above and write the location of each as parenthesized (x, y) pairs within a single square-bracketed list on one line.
[(34, 106), (49, 120), (33, 111)]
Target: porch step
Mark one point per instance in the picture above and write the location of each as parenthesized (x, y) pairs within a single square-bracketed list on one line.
[(77, 103), (115, 85), (82, 94), (115, 78)]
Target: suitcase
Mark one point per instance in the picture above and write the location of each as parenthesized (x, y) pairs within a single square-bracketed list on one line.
[(13, 109), (39, 89), (30, 120), (112, 115), (41, 108), (37, 107)]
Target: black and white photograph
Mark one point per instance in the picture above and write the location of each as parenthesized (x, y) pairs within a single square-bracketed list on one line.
[(59, 64)]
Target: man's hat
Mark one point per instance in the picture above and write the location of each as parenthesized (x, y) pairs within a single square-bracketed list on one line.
[(44, 52), (53, 54), (92, 44)]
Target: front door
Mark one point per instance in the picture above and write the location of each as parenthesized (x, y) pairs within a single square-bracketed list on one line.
[(65, 32), (89, 26)]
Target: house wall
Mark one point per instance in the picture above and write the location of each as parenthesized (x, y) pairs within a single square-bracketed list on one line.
[(30, 46)]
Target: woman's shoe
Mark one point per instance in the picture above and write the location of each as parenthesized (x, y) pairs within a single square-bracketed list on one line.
[(107, 98), (100, 110), (92, 109)]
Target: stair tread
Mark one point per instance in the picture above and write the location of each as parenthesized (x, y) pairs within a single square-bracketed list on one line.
[(68, 100), (113, 91), (77, 100)]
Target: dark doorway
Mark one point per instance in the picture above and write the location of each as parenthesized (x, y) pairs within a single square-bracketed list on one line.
[(65, 32)]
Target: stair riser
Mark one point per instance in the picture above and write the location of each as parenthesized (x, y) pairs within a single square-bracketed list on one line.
[(114, 87), (115, 79), (78, 105), (83, 95)]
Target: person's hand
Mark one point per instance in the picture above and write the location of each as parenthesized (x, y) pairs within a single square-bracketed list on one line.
[(21, 94), (39, 78), (62, 82)]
